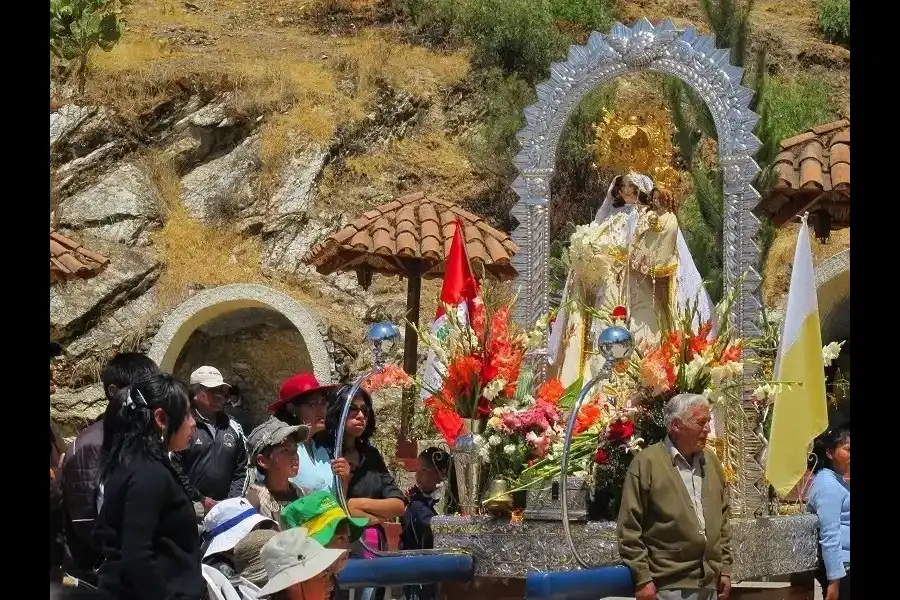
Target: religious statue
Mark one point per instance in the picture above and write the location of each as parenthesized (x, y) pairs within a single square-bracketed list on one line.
[(633, 255)]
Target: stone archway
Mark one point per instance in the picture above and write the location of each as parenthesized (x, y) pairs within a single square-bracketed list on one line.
[(833, 293), (217, 326)]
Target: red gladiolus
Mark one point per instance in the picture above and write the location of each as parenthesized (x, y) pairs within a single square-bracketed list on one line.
[(551, 391), (620, 430), (732, 353), (601, 456)]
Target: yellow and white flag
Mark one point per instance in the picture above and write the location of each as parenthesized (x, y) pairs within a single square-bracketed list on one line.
[(800, 412)]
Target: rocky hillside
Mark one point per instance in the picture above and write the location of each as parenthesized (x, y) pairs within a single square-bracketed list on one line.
[(220, 139)]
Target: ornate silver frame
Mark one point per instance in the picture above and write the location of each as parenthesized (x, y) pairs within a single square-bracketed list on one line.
[(694, 59)]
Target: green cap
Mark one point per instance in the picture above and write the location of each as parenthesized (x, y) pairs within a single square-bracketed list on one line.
[(320, 514)]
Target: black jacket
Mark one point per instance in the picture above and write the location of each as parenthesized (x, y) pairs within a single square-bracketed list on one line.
[(148, 535), (416, 521), (216, 461), (80, 477)]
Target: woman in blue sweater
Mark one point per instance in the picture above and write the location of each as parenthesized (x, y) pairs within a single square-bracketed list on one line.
[(829, 499)]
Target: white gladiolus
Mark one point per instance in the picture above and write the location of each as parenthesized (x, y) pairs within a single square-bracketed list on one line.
[(495, 440), (719, 375), (695, 368), (830, 352), (493, 389), (509, 449)]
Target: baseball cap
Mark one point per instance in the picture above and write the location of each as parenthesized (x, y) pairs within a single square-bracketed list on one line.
[(228, 522), (320, 513), (271, 433), (292, 557), (208, 377)]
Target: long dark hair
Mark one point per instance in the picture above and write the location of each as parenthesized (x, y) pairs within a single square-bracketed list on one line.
[(618, 183), (135, 433), (829, 442), (336, 400)]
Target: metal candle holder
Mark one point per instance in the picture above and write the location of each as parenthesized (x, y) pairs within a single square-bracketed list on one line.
[(615, 344)]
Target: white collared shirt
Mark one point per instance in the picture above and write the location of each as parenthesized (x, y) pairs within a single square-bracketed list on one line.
[(692, 477)]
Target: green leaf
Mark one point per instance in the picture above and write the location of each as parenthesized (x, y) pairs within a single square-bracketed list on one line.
[(571, 394)]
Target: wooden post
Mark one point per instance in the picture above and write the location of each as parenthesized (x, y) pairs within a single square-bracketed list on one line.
[(408, 449)]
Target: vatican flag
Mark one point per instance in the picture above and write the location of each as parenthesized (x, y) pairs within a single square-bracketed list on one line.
[(800, 412)]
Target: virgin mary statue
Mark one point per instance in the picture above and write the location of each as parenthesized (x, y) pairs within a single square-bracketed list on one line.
[(632, 255)]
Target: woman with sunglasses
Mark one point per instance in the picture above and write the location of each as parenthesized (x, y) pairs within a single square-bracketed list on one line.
[(372, 492), (302, 400)]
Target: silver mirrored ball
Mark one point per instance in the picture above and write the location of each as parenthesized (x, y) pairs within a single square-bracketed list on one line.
[(380, 332), (615, 343)]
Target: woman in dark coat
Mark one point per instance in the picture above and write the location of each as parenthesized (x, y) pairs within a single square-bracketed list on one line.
[(147, 528)]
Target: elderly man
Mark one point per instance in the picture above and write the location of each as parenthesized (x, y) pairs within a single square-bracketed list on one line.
[(673, 522), (216, 461)]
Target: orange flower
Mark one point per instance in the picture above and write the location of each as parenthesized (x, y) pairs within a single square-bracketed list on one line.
[(462, 375), (390, 376), (588, 414), (551, 391), (732, 352)]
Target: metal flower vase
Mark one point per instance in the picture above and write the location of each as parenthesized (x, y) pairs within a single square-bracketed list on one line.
[(468, 466)]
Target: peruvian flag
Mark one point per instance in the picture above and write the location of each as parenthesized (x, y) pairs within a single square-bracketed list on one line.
[(460, 291)]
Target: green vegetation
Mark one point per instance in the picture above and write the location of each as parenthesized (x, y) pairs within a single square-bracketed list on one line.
[(834, 20), (794, 105), (77, 26)]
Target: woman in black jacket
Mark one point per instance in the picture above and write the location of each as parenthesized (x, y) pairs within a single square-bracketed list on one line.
[(147, 528)]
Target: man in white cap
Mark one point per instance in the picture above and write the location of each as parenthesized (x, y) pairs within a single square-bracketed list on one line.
[(216, 461)]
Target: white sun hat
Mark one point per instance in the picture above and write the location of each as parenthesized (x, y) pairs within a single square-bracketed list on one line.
[(293, 557), (208, 377), (228, 522)]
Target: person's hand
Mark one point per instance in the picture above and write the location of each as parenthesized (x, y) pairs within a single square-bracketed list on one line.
[(208, 503), (646, 592), (724, 587), (340, 467), (833, 590)]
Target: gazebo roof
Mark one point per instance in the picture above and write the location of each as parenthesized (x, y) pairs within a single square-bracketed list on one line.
[(69, 258), (813, 174), (413, 228)]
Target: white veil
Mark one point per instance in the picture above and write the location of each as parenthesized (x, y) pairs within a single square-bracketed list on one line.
[(688, 282)]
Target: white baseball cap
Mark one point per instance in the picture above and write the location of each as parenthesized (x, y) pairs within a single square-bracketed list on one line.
[(208, 377), (293, 557), (228, 522)]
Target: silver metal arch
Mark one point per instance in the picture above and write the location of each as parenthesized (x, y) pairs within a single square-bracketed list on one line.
[(644, 47), (694, 59)]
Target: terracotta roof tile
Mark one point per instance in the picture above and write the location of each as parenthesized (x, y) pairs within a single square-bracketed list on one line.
[(69, 258), (413, 227), (812, 172)]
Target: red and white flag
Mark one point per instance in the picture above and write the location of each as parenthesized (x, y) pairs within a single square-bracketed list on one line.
[(460, 291)]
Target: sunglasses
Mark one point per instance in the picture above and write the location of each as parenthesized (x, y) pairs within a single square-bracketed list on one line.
[(354, 409)]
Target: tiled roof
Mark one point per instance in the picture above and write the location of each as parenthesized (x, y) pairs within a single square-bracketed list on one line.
[(68, 258), (813, 174), (388, 238)]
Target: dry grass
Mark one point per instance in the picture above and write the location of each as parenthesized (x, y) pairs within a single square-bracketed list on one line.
[(781, 257), (374, 57), (430, 155), (196, 254)]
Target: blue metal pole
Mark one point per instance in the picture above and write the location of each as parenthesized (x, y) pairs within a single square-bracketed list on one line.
[(587, 584), (391, 571)]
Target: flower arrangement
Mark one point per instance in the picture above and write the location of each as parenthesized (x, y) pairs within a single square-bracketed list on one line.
[(480, 360), (521, 434), (626, 415)]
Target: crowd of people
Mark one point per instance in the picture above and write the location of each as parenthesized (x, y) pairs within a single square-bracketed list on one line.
[(166, 497)]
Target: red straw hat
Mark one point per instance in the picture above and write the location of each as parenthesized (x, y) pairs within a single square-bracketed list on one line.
[(297, 386)]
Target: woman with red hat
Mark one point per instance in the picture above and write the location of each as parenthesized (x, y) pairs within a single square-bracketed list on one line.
[(302, 400)]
